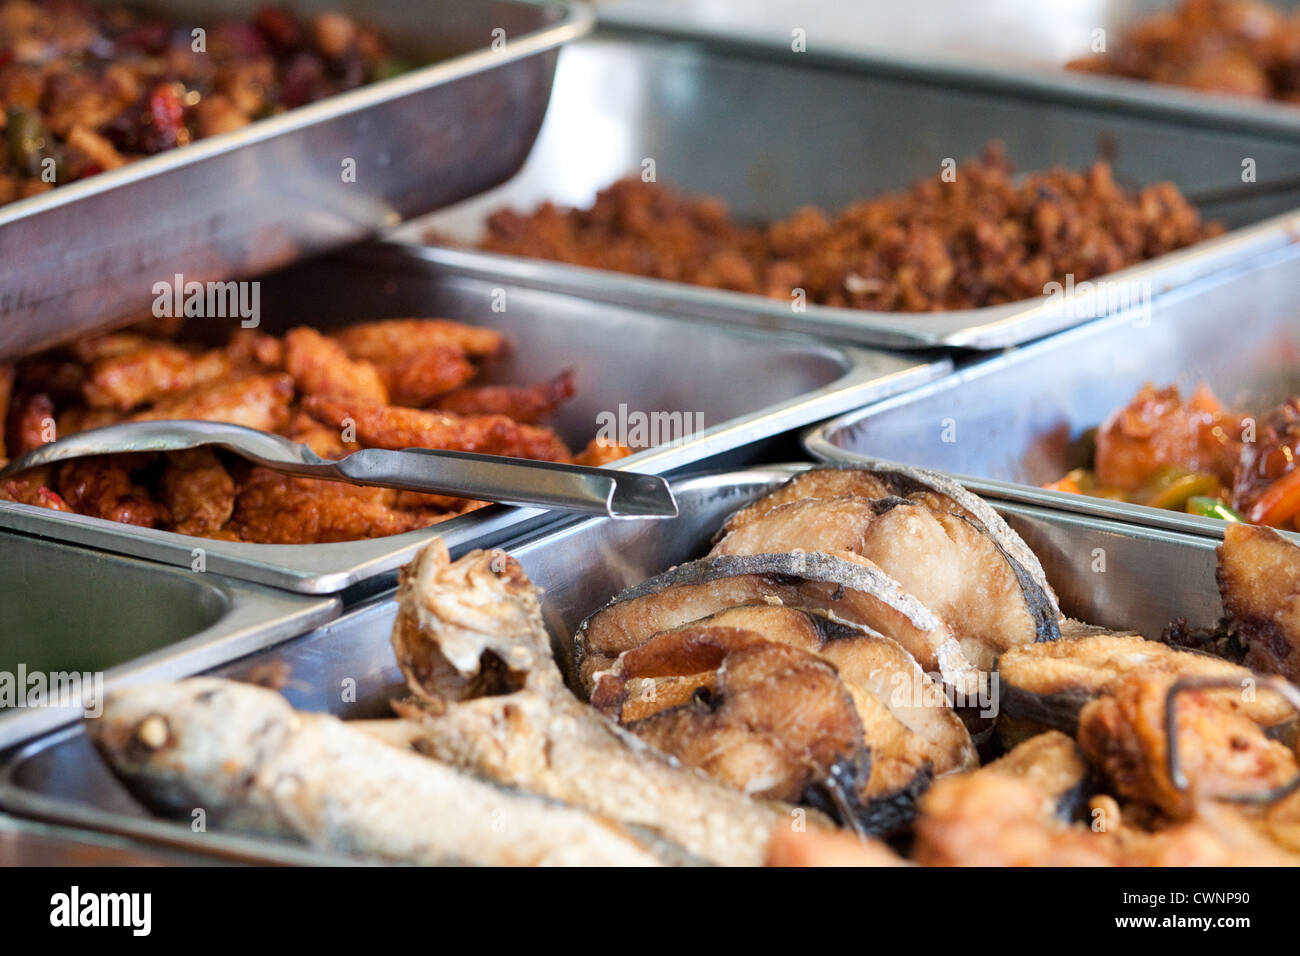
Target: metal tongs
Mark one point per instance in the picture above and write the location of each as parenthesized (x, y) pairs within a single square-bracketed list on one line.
[(512, 481)]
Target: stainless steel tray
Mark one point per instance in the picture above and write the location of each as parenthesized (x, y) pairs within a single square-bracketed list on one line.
[(1013, 418), (747, 386), (70, 610), (770, 134), (1015, 45), (1152, 577), (242, 203)]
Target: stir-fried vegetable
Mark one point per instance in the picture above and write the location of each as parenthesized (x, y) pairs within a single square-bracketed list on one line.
[(1209, 507)]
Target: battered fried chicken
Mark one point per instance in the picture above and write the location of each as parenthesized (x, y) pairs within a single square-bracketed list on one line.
[(320, 366), (259, 401), (127, 379), (280, 509), (197, 491), (529, 404), (420, 378), (104, 488), (388, 340), (391, 426)]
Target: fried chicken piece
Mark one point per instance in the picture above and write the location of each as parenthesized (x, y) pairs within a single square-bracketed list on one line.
[(255, 352), (30, 423), (103, 488), (600, 453), (197, 491), (528, 404), (260, 401), (32, 487), (390, 426), (420, 378), (279, 509), (1157, 429), (990, 819), (320, 366), (389, 340), (1222, 752), (818, 846), (133, 378)]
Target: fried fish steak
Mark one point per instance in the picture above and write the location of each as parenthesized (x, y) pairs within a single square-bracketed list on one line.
[(944, 560), (774, 723), (1259, 581), (884, 480), (907, 722), (1222, 752), (1048, 684), (850, 587)]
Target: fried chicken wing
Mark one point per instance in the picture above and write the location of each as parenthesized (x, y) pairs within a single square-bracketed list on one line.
[(259, 401), (103, 487), (420, 378), (280, 509), (388, 340), (320, 366), (131, 378), (391, 426), (197, 491), (528, 404)]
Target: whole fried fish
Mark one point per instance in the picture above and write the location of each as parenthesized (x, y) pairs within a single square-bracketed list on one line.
[(252, 763), (470, 639)]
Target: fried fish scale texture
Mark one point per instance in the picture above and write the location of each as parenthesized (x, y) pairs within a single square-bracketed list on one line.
[(380, 384)]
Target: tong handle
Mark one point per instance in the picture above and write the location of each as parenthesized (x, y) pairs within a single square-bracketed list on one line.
[(603, 491)]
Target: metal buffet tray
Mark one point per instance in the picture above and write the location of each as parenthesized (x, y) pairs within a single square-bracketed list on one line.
[(1020, 46), (1152, 577), (747, 386), (1014, 418), (245, 202), (769, 134), (65, 609)]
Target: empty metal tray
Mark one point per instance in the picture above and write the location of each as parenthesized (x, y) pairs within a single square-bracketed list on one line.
[(70, 611)]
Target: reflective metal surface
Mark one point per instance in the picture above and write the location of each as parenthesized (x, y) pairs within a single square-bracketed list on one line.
[(1008, 424), (240, 204), (772, 133), (1105, 573), (1021, 46), (545, 484), (728, 388), (67, 610)]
